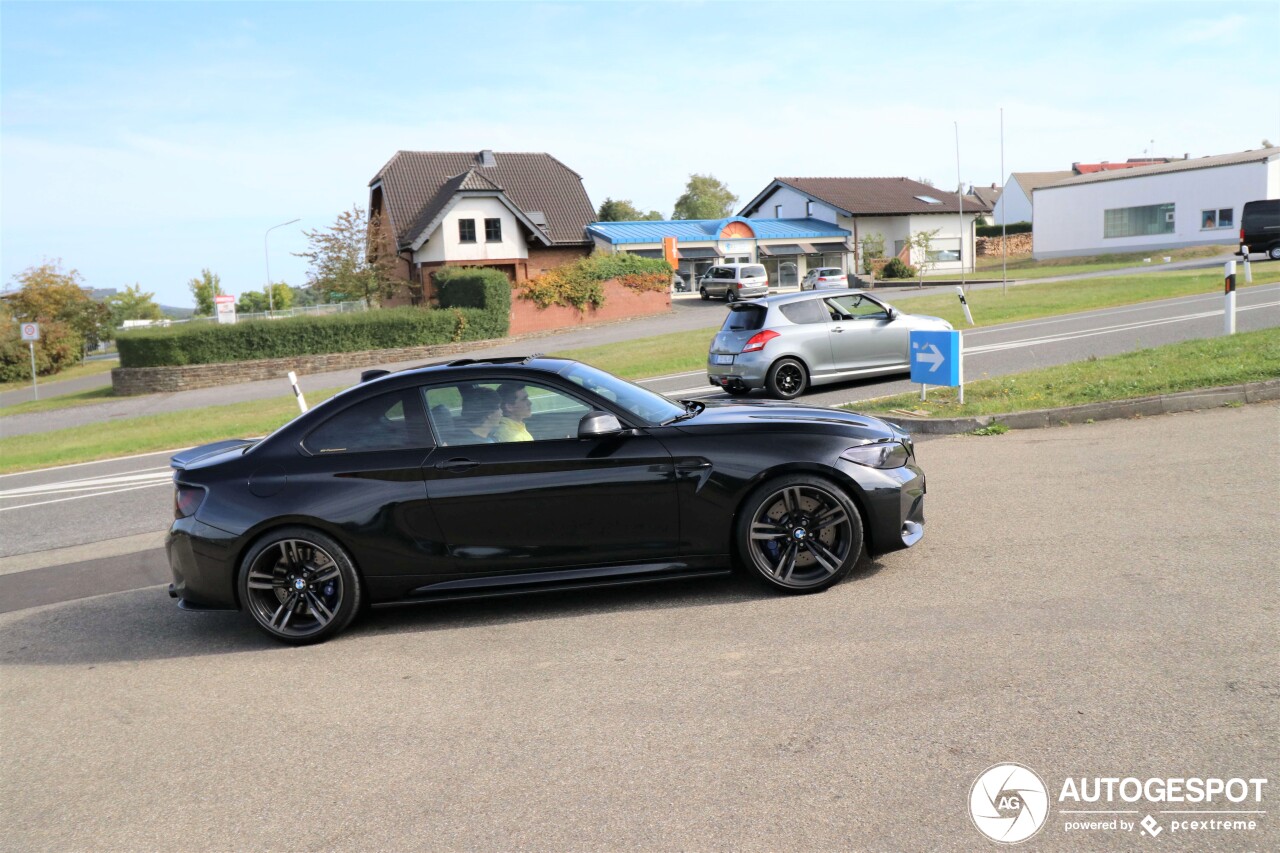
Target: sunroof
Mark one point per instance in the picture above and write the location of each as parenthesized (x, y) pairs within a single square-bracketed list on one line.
[(928, 199)]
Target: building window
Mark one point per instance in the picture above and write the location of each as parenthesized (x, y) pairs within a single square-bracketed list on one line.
[(944, 251), (808, 208), (777, 211), (1219, 218), (466, 230), (1138, 221), (493, 230)]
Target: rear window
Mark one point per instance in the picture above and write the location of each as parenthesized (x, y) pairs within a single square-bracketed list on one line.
[(830, 273), (1260, 214), (753, 271), (744, 318)]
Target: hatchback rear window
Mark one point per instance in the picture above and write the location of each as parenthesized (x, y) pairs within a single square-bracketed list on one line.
[(830, 272), (753, 271), (744, 318)]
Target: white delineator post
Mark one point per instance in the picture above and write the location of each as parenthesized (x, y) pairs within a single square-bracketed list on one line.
[(1229, 313), (964, 303), (960, 365), (297, 392), (1248, 271)]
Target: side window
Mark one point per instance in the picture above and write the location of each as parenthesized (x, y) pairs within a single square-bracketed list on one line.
[(493, 230), (724, 273), (806, 312), (496, 412), (466, 230), (390, 421), (855, 307)]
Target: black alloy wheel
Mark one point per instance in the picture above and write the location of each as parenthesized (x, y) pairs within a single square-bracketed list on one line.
[(787, 379), (800, 534), (298, 585), (702, 291)]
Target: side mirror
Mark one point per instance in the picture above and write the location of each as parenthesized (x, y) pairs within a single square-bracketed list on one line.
[(597, 423)]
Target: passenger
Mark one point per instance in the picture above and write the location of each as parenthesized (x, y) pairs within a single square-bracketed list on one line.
[(516, 409), (481, 412)]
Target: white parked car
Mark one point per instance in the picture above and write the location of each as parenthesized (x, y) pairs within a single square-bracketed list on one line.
[(825, 278)]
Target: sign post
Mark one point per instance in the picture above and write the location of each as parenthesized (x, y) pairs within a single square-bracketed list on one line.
[(1230, 311), (31, 334), (937, 358)]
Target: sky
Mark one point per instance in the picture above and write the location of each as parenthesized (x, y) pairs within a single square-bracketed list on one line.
[(143, 142)]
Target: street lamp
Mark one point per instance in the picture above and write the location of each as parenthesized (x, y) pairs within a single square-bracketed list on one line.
[(271, 299)]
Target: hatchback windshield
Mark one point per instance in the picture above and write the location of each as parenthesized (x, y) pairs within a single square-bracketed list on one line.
[(640, 402)]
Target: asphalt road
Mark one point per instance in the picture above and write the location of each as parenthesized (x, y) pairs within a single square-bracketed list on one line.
[(1089, 601)]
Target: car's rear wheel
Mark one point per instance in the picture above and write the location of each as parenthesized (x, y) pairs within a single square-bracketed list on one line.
[(702, 291), (730, 296), (787, 379), (799, 533), (1274, 253), (299, 586)]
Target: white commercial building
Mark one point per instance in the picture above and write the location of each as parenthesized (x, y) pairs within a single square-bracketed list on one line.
[(1173, 205)]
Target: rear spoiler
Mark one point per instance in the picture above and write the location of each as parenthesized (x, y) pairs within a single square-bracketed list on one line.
[(179, 461)]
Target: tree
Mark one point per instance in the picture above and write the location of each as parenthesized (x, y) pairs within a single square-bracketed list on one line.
[(352, 259), (922, 242), (257, 301), (133, 304), (704, 198), (622, 210), (48, 294), (925, 181), (204, 288), (872, 247)]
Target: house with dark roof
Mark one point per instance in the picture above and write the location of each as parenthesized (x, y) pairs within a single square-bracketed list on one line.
[(893, 209), (1189, 202), (521, 213)]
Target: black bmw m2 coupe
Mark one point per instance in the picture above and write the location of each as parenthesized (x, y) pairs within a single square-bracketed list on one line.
[(484, 478)]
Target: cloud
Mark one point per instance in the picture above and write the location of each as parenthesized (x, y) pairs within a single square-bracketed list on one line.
[(1207, 30)]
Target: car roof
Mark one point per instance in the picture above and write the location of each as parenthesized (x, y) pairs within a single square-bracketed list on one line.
[(801, 296), (464, 368)]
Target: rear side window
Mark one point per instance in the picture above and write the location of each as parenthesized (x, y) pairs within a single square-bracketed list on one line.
[(753, 271), (744, 318), (808, 311), (390, 421), (722, 272), (1260, 214)]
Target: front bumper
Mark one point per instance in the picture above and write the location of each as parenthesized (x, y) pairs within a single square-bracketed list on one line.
[(894, 503)]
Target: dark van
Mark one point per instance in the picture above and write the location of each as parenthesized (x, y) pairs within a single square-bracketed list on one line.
[(1260, 227)]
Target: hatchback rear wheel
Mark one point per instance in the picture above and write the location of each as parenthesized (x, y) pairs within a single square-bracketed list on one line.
[(787, 379), (299, 586)]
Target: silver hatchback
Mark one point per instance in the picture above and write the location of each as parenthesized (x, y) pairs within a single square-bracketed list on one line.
[(734, 282), (784, 344)]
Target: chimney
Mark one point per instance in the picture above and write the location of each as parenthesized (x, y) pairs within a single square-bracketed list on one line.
[(486, 158)]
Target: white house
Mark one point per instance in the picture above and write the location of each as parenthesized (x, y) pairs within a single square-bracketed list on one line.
[(896, 209), (1014, 204), (1173, 205)]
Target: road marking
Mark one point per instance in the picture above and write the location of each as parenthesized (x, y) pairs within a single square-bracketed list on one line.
[(79, 553), (97, 462), (669, 376), (90, 484), (78, 497)]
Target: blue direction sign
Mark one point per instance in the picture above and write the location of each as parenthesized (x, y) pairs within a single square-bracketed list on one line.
[(935, 358)]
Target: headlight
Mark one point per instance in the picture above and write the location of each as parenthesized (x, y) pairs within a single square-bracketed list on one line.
[(884, 454)]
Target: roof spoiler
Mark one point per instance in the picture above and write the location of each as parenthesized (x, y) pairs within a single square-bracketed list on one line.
[(373, 374)]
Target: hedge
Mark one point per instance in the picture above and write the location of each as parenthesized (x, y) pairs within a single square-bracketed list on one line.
[(581, 283), (388, 328), (473, 287), (1011, 228)]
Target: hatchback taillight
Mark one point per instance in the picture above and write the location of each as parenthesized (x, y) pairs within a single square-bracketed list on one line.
[(186, 500), (758, 341)]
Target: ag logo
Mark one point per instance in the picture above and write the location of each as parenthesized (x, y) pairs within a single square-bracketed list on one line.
[(1008, 803)]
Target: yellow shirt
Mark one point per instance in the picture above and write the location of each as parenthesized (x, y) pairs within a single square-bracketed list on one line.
[(511, 430)]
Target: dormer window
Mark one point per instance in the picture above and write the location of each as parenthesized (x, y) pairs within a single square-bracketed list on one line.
[(493, 230), (466, 230)]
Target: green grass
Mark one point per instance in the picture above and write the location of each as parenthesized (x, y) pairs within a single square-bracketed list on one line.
[(643, 357), (87, 368), (151, 432), (1208, 363), (62, 401), (1024, 267)]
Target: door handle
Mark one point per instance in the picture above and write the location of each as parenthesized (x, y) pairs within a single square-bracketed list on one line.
[(837, 328), (456, 465), (693, 465)]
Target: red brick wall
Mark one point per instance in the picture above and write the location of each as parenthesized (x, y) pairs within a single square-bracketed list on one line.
[(542, 259), (620, 302)]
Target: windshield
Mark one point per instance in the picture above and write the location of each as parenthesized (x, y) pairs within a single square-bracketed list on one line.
[(640, 402)]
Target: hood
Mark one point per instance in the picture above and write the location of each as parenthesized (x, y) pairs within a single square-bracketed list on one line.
[(768, 413)]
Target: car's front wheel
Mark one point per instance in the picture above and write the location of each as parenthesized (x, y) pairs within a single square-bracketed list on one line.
[(299, 586), (787, 379), (702, 291), (799, 533)]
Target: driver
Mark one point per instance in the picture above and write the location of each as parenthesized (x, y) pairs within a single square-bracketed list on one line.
[(516, 409)]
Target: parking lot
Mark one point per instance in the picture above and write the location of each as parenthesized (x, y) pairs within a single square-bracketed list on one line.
[(1088, 601)]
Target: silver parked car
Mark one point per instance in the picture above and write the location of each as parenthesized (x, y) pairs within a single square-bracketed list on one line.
[(824, 278), (786, 343), (734, 282)]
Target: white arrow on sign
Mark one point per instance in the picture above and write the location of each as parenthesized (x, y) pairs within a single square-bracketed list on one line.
[(933, 359)]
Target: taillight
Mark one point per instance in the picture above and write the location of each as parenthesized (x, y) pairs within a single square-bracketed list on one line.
[(186, 500), (758, 341)]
